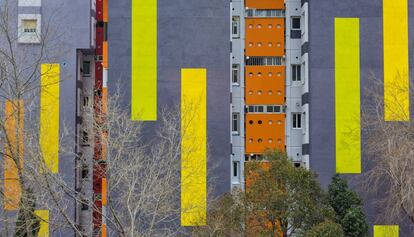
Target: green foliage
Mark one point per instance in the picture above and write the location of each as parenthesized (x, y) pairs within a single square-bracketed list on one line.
[(354, 223), (284, 196), (348, 207), (326, 229), (28, 223), (341, 197)]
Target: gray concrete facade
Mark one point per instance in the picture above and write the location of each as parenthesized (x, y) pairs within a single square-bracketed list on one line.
[(191, 34), (321, 80)]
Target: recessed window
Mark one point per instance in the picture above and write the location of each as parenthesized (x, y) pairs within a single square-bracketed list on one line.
[(296, 73), (295, 32), (29, 26), (86, 68), (295, 23), (30, 3), (85, 101), (235, 27), (236, 168), (236, 74), (296, 120), (85, 137), (236, 123)]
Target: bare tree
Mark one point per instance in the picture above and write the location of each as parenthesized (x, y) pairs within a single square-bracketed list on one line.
[(389, 154)]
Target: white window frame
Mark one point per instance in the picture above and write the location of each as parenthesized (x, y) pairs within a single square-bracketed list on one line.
[(235, 71), (235, 120), (296, 120), (295, 17), (298, 69), (29, 37), (236, 169), (235, 22), (30, 3)]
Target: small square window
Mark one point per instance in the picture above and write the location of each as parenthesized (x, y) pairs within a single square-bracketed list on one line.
[(86, 68), (295, 23), (29, 26)]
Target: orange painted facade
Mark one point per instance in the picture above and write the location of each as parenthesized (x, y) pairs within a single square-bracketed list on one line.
[(14, 150), (265, 85), (265, 4), (264, 131), (265, 37)]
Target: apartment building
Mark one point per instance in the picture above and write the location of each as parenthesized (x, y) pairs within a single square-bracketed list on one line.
[(268, 83)]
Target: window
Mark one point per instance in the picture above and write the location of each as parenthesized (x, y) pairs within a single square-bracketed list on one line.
[(29, 26), (86, 68), (295, 32), (236, 123), (85, 137), (30, 3), (296, 73), (236, 169), (235, 27), (296, 120), (236, 74), (85, 101), (264, 109), (295, 23), (264, 61)]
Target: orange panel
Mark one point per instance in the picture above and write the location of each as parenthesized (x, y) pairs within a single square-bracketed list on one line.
[(105, 54), (264, 131), (14, 150), (105, 10), (265, 85), (265, 4), (104, 192), (265, 37)]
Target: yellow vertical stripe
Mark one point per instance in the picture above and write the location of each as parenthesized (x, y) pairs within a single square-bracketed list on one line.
[(49, 115), (144, 60), (44, 222), (396, 70), (193, 147), (14, 153), (386, 231), (347, 96)]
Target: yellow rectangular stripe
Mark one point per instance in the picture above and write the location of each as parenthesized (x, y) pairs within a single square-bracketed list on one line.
[(396, 69), (14, 153), (144, 60), (347, 96), (193, 147), (386, 231), (44, 222), (49, 115)]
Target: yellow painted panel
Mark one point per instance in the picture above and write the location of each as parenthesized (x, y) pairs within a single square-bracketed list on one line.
[(14, 152), (347, 96), (193, 147), (49, 115), (396, 70), (386, 231), (44, 222), (144, 60)]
